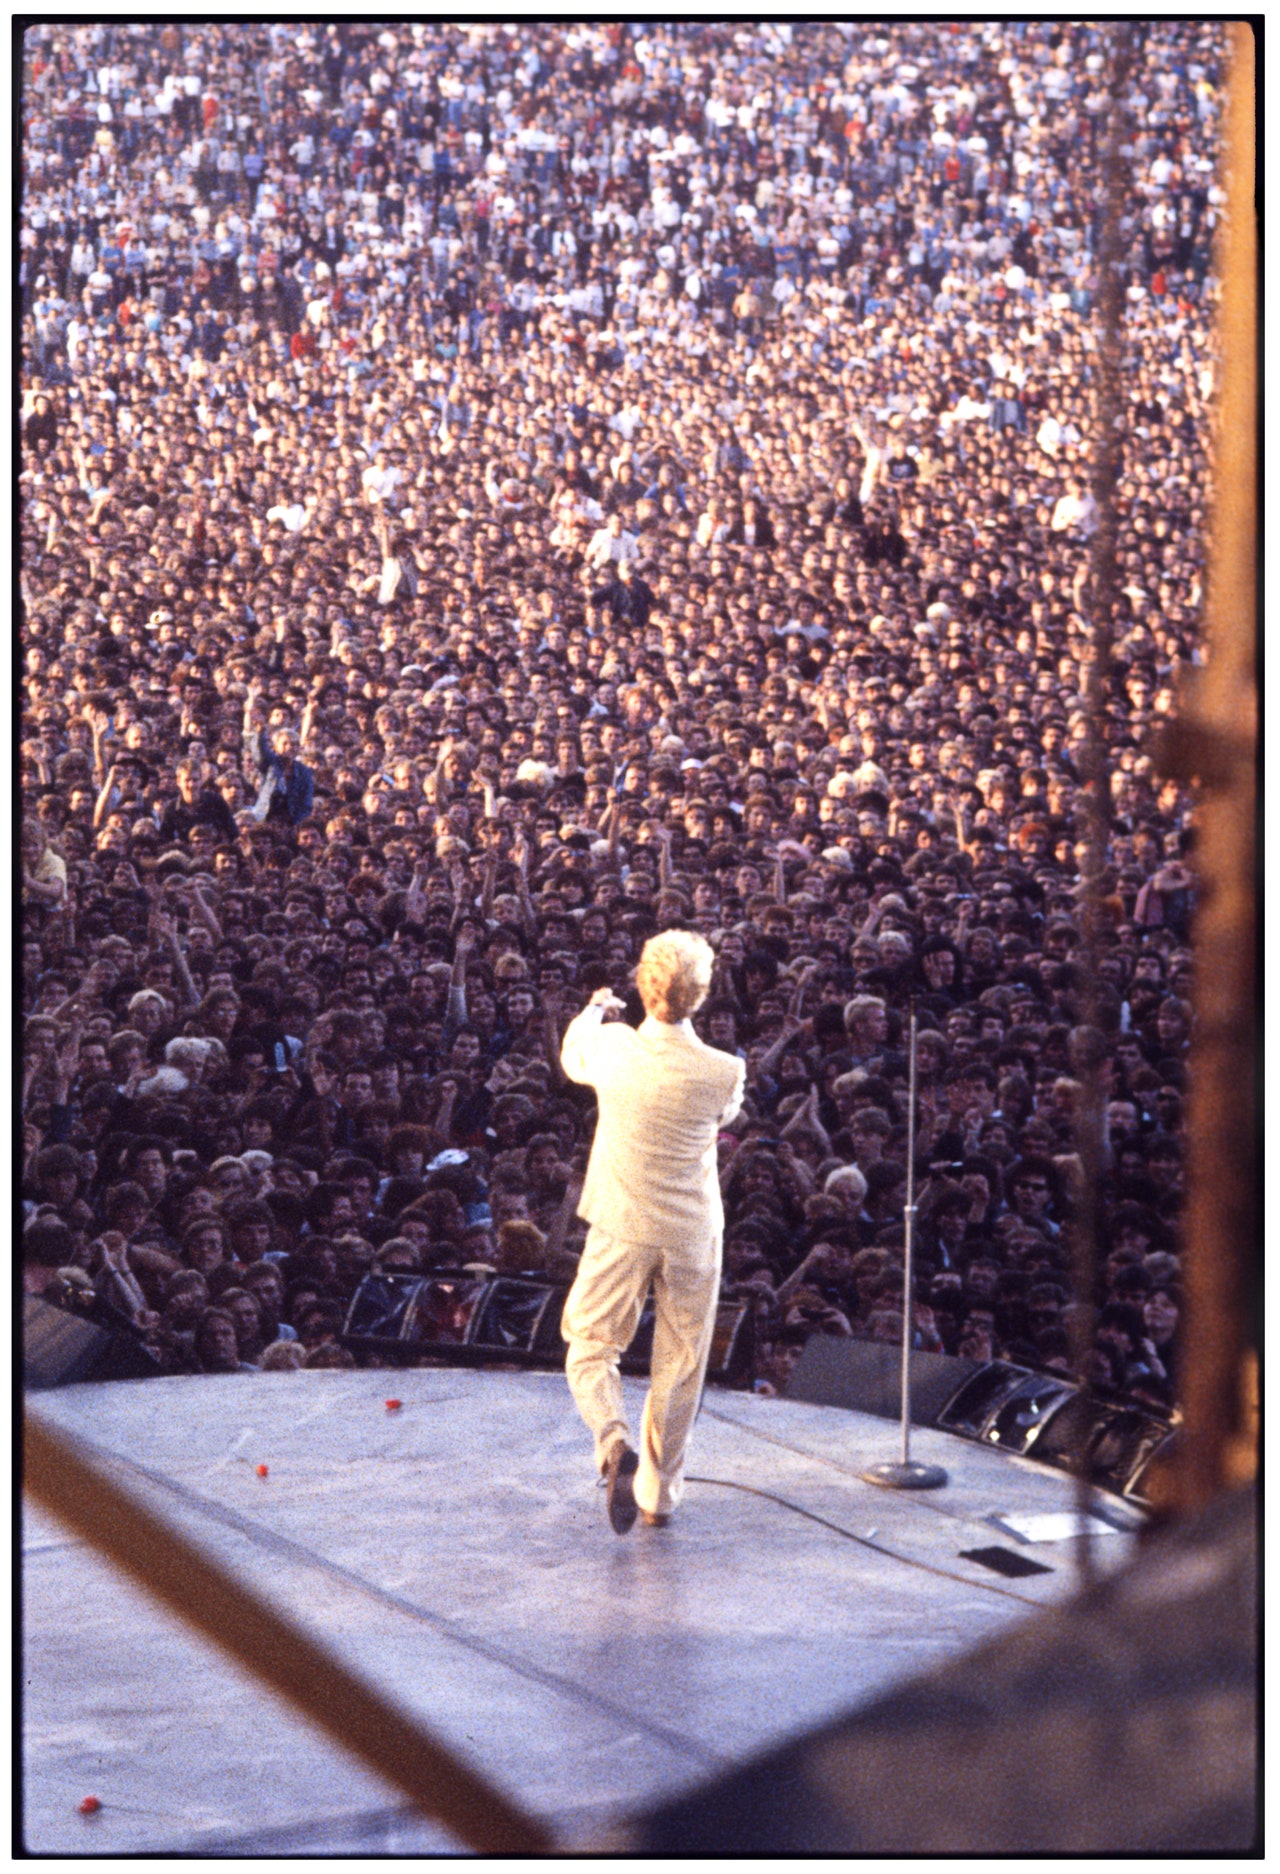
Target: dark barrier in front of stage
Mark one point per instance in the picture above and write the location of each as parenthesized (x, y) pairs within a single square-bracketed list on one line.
[(475, 1320), (482, 1320), (1032, 1414), (866, 1376), (59, 1348)]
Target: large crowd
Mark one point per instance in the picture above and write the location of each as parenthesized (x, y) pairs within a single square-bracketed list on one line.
[(489, 493)]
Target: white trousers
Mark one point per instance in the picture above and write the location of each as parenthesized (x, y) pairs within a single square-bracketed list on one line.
[(600, 1318)]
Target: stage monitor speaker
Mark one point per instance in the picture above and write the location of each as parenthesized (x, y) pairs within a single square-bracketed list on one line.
[(442, 1311), (1114, 1443), (1142, 1476), (1022, 1417), (59, 1348), (378, 1308), (483, 1318), (866, 1376), (520, 1315), (979, 1399), (1124, 1447), (400, 1314)]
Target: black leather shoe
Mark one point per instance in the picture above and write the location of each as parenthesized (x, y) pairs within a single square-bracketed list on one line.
[(620, 1500)]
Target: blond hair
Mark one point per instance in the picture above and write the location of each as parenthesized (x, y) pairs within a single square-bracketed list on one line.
[(149, 997), (858, 1006), (674, 974), (282, 1356), (847, 1183)]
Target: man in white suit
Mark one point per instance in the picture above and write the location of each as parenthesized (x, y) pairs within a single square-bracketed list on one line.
[(652, 1199)]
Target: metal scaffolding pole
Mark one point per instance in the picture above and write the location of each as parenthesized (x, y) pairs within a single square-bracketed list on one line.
[(1108, 435), (1214, 745)]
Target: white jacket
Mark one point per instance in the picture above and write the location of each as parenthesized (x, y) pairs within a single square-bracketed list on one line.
[(664, 1095)]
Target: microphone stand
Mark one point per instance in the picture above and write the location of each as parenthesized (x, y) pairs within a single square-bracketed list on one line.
[(906, 1475)]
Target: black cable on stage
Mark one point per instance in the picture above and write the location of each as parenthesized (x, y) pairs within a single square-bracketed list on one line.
[(865, 1542), (924, 1500)]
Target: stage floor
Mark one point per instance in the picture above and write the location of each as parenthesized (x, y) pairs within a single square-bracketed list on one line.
[(456, 1553)]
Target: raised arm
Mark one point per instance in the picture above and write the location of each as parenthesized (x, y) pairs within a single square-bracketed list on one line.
[(436, 793), (103, 804), (118, 1279), (456, 1011), (805, 1120), (167, 931), (65, 1062), (523, 857), (793, 1024), (98, 722), (490, 868), (615, 834), (557, 1235), (307, 725), (804, 1272), (249, 740), (203, 911), (791, 1027), (579, 1048), (871, 923)]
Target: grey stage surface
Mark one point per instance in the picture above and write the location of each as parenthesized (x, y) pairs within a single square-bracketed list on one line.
[(457, 1554)]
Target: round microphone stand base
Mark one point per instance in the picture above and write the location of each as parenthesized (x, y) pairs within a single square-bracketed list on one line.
[(906, 1476)]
